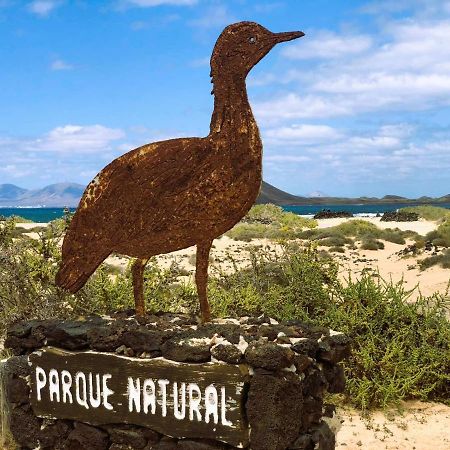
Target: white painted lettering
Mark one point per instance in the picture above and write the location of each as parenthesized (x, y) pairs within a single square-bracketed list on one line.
[(134, 394), (194, 402), (211, 404), (81, 389), (106, 392), (163, 387), (180, 415), (66, 384), (223, 415), (41, 381), (53, 385), (95, 402), (149, 394)]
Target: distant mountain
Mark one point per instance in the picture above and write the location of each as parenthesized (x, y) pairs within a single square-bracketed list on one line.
[(60, 194), (271, 194), (11, 191), (69, 194), (393, 197)]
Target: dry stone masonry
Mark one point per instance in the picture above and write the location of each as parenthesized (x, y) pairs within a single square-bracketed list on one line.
[(252, 383)]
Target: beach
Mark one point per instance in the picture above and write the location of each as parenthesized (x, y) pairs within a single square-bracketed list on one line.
[(387, 262), (422, 426)]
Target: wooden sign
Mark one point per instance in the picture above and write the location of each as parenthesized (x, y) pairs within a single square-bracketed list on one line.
[(176, 399)]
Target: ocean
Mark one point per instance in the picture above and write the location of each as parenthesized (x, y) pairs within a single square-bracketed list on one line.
[(48, 214), (35, 214)]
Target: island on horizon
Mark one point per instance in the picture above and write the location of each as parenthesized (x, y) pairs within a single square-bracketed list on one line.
[(69, 194)]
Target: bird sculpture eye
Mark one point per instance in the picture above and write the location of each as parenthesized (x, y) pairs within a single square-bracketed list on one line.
[(252, 39)]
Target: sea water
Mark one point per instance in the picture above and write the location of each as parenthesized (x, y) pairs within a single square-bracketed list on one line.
[(48, 214)]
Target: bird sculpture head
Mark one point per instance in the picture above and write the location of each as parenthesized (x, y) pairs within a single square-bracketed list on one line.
[(241, 46)]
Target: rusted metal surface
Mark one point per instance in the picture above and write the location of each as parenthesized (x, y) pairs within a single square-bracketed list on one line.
[(173, 194)]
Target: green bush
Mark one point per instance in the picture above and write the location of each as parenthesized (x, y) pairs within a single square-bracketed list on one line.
[(442, 260), (20, 219), (248, 231), (395, 236), (363, 230), (441, 236), (358, 228), (271, 222), (371, 244), (335, 241), (273, 214), (337, 249), (401, 349), (429, 212)]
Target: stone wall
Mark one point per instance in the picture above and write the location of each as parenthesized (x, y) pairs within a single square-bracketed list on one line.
[(292, 365)]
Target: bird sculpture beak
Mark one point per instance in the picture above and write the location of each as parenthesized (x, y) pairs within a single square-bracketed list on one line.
[(288, 36)]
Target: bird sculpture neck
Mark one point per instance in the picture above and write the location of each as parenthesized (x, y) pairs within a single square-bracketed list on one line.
[(232, 111)]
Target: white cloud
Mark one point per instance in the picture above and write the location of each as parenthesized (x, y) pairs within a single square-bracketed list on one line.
[(59, 64), (287, 158), (303, 134), (43, 8), (294, 106), (76, 138), (152, 3), (214, 17), (14, 171), (328, 45), (388, 156), (409, 71), (423, 7)]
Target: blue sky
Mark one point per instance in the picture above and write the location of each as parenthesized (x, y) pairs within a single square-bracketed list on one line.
[(359, 106)]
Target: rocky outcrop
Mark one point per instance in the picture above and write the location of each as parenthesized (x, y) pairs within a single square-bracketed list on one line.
[(328, 214), (399, 216)]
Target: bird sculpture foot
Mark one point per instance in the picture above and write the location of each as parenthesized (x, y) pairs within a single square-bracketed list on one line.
[(137, 271)]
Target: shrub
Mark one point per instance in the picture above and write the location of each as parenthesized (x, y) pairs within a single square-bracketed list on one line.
[(248, 231), (441, 236), (443, 260), (20, 219), (400, 349), (273, 214), (337, 249), (429, 212), (371, 244), (358, 228), (395, 236), (271, 222), (335, 241)]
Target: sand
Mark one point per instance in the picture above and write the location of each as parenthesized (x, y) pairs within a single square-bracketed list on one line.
[(419, 226), (424, 426), (226, 252), (387, 262)]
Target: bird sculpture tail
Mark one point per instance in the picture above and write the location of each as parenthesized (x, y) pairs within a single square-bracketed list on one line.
[(74, 273)]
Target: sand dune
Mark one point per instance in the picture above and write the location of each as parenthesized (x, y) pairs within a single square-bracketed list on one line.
[(424, 426)]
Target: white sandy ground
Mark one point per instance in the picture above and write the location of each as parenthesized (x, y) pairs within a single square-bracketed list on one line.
[(424, 426)]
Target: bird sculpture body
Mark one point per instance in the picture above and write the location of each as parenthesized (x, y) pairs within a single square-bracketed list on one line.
[(173, 194)]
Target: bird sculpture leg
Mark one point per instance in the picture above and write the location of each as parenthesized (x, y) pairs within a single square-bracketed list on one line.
[(137, 271), (201, 278)]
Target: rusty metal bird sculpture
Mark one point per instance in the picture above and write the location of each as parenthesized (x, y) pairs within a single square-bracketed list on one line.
[(173, 194)]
